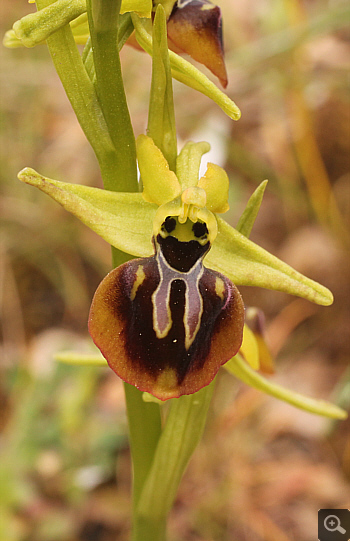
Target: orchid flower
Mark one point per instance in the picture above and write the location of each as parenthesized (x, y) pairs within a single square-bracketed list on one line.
[(168, 321), (182, 295)]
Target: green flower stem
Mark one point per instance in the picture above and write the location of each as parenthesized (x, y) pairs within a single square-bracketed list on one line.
[(103, 21), (115, 166), (125, 29), (181, 434), (82, 96)]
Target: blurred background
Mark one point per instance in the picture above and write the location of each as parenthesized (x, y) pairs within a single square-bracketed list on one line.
[(263, 468)]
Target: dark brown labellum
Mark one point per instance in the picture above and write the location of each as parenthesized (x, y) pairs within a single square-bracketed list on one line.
[(166, 323)]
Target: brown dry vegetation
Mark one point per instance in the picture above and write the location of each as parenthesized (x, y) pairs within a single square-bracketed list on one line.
[(263, 468)]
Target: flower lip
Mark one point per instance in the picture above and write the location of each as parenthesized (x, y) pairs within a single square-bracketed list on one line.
[(165, 331)]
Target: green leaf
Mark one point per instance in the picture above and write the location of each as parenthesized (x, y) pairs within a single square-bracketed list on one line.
[(247, 264), (122, 219), (239, 368), (161, 115), (188, 74), (246, 221)]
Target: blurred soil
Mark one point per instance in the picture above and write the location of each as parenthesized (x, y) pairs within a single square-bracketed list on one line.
[(263, 468)]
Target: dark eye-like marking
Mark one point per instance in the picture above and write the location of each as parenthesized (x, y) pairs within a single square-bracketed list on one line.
[(199, 229), (169, 224)]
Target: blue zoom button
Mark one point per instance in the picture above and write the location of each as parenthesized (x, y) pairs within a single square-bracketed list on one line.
[(334, 525)]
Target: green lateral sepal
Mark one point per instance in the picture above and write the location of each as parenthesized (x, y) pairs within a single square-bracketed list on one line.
[(239, 368)]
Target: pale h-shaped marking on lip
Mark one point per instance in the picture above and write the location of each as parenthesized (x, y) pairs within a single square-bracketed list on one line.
[(162, 320)]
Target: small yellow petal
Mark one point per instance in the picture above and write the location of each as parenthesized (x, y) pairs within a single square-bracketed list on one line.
[(267, 364), (216, 184), (160, 184), (249, 348), (255, 319)]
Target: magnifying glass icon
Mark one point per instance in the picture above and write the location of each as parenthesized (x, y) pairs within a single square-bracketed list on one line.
[(332, 524)]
